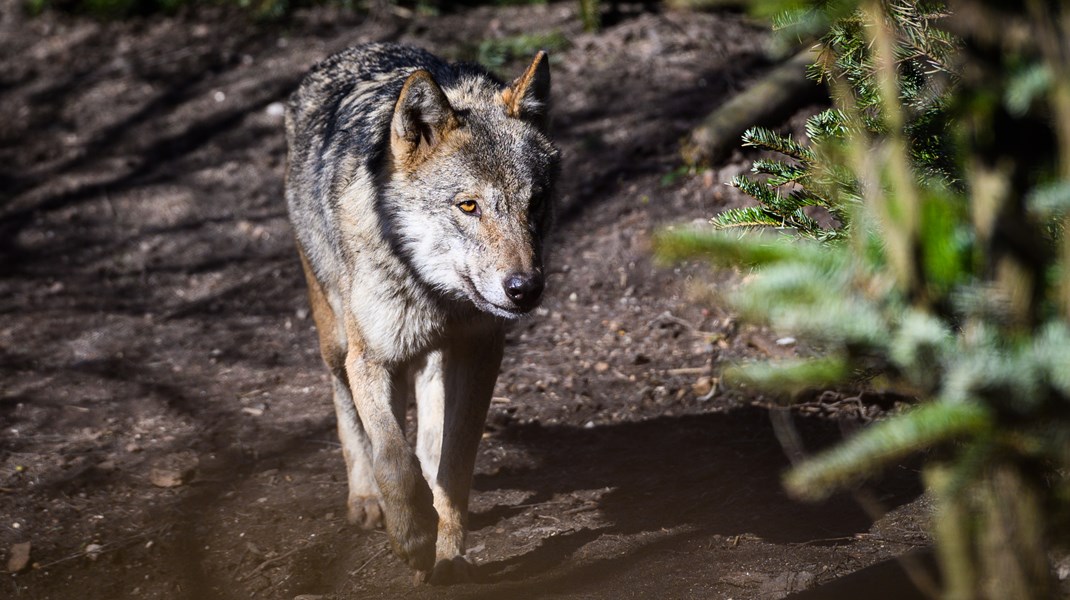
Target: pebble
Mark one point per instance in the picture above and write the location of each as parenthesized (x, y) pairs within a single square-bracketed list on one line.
[(166, 478), (276, 110), (92, 551), (256, 411), (173, 470), (786, 341), (702, 386), (19, 557), (786, 583)]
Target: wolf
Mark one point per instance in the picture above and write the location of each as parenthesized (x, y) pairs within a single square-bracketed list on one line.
[(421, 194)]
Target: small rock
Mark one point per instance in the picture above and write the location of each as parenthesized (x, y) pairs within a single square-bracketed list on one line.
[(573, 297), (92, 551), (19, 557), (786, 583), (310, 597), (256, 411), (166, 478), (601, 367), (173, 470), (786, 341), (742, 579), (275, 109), (702, 386)]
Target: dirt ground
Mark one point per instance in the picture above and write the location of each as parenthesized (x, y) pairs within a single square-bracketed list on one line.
[(166, 428)]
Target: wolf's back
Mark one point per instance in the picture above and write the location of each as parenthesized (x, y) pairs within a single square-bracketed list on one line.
[(337, 125), (353, 92)]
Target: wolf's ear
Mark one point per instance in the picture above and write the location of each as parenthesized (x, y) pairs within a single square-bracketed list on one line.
[(528, 97), (422, 118)]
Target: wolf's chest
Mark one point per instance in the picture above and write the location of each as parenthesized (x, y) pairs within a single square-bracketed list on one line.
[(397, 318)]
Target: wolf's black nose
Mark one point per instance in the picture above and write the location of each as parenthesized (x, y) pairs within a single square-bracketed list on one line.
[(524, 289)]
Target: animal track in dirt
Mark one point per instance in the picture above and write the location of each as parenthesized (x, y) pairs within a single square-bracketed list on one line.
[(153, 313)]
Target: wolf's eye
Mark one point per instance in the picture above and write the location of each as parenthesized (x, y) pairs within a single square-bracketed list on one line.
[(469, 207)]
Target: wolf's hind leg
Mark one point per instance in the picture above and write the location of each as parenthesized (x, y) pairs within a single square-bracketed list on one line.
[(363, 504)]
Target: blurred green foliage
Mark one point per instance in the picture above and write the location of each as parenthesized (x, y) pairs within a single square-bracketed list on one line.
[(949, 282), (591, 14), (496, 52), (810, 174)]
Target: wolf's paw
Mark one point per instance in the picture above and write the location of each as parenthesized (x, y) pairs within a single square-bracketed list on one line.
[(451, 570), (365, 512), (413, 538)]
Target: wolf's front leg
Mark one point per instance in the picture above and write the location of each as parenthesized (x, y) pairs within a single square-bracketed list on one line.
[(453, 392), (406, 499), (363, 500)]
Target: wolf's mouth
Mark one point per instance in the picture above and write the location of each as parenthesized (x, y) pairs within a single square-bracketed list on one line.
[(486, 305)]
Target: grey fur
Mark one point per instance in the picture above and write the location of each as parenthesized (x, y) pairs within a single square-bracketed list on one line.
[(421, 194)]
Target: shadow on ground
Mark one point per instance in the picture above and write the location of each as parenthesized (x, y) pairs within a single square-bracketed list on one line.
[(711, 474)]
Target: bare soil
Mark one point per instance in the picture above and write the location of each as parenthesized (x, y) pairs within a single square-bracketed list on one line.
[(166, 428)]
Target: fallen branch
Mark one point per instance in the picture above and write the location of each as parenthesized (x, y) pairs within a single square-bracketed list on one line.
[(769, 100), (267, 563), (367, 562), (107, 547)]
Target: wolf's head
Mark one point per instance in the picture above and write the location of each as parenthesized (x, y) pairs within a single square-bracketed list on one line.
[(470, 193)]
